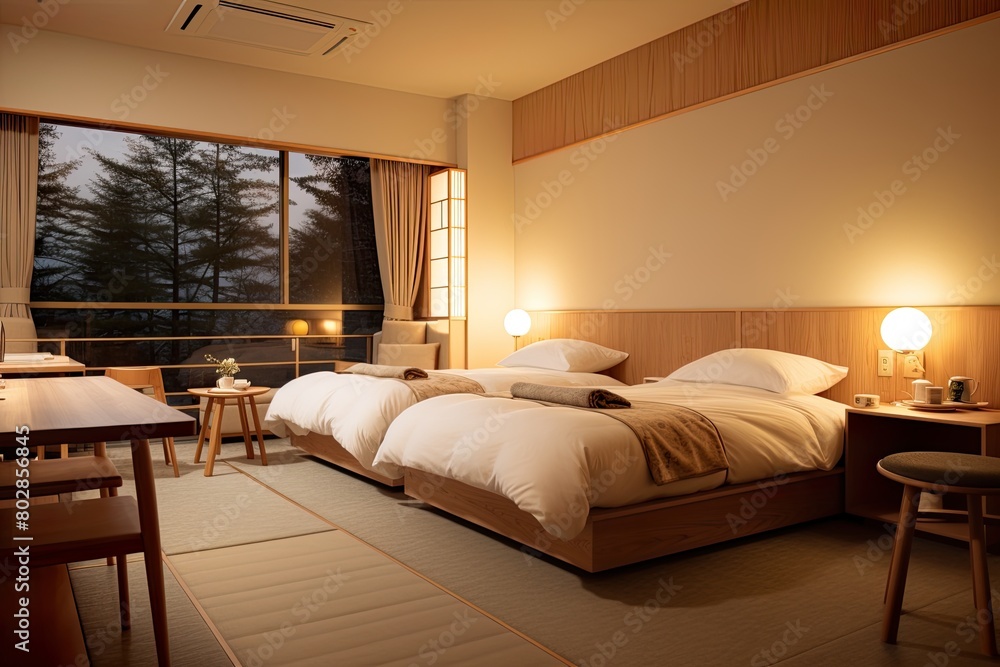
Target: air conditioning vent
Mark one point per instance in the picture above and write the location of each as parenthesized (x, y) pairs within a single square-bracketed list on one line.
[(266, 25)]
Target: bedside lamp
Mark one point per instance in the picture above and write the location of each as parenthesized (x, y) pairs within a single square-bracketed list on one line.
[(907, 330), (517, 323)]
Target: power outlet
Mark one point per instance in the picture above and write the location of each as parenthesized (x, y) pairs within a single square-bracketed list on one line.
[(885, 360)]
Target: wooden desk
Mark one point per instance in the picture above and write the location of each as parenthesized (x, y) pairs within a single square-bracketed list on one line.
[(874, 433), (98, 409), (217, 402), (58, 364)]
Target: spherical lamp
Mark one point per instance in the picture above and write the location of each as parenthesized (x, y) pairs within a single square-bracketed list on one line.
[(517, 322), (906, 330)]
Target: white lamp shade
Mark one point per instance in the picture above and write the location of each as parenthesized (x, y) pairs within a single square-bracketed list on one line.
[(517, 322), (906, 330)]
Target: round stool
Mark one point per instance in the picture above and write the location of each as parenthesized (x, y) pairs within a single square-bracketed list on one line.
[(943, 472)]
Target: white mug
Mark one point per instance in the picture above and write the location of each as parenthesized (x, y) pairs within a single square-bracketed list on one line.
[(961, 388), (225, 382), (919, 387), (241, 383)]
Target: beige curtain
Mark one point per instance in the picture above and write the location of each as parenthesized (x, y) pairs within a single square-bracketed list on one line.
[(399, 202), (18, 189)]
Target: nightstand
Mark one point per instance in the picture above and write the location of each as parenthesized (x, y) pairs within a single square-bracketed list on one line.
[(874, 433)]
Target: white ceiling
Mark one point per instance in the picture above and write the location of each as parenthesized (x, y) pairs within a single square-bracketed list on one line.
[(440, 48)]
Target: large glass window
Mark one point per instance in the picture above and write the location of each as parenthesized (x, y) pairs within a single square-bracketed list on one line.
[(125, 220)]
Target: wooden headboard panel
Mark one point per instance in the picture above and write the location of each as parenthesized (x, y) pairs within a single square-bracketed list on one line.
[(966, 341)]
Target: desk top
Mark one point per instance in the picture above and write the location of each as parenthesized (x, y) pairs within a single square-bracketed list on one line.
[(60, 410), (57, 364)]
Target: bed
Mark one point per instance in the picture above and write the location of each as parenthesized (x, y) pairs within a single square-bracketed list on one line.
[(574, 484), (342, 417)]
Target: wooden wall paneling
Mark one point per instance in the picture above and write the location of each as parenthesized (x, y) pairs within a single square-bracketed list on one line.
[(657, 342), (847, 337), (965, 341), (742, 49)]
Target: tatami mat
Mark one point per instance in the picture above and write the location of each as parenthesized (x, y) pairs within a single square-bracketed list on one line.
[(328, 599), (198, 512)]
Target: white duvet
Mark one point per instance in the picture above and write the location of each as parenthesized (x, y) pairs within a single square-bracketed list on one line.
[(357, 409), (557, 462)]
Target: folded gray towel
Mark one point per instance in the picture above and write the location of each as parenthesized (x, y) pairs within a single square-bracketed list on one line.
[(382, 371), (582, 397)]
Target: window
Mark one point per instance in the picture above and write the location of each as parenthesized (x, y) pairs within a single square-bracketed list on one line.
[(146, 236)]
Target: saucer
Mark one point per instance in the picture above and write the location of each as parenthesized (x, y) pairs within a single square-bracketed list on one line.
[(930, 407), (972, 405)]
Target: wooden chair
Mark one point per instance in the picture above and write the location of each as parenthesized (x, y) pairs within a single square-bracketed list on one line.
[(52, 477), (142, 378), (968, 474)]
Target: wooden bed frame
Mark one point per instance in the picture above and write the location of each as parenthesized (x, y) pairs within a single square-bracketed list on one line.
[(620, 536), (327, 448)]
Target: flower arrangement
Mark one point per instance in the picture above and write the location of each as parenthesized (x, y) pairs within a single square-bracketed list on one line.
[(226, 367)]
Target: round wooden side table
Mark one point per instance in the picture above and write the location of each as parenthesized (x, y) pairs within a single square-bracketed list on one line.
[(217, 400)]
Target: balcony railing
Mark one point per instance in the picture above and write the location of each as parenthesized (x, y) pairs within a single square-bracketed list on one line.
[(270, 360)]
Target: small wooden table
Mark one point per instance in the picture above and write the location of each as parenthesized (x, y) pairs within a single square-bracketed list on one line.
[(217, 398)]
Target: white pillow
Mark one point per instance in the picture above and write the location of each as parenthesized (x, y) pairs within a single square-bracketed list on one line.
[(780, 372), (565, 354)]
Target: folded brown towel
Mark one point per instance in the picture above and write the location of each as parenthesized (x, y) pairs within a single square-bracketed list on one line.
[(379, 370), (582, 397)]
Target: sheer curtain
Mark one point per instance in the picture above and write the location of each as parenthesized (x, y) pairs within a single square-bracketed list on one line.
[(399, 203), (18, 189)]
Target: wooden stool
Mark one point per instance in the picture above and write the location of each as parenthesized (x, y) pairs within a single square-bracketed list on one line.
[(53, 477), (147, 377), (969, 474)]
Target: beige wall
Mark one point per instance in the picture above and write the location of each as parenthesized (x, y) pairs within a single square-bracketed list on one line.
[(61, 74), (484, 141), (650, 219)]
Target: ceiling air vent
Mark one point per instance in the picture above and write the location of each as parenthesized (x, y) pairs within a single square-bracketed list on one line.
[(264, 24)]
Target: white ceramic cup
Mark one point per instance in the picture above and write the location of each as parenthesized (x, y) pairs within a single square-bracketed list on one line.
[(241, 383), (961, 388), (934, 395), (919, 390), (225, 382)]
